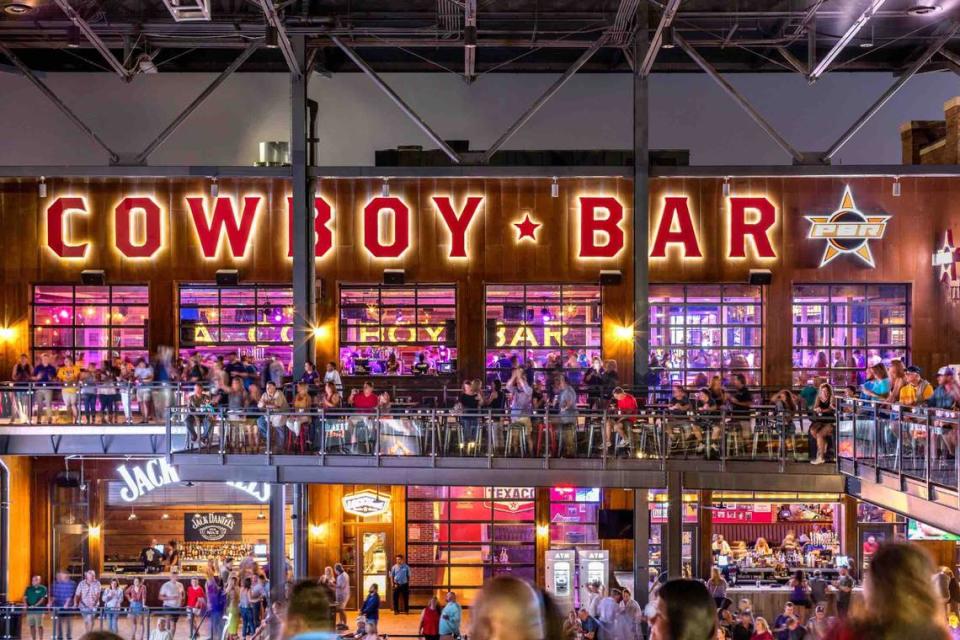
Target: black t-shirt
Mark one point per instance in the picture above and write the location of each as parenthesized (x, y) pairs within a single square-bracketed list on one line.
[(741, 632), (742, 395), (421, 368), (469, 401)]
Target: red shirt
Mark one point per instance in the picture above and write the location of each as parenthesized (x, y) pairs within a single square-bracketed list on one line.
[(193, 595), (363, 401), (627, 404), (431, 622)]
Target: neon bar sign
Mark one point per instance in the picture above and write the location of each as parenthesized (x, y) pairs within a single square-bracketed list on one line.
[(156, 473), (224, 226)]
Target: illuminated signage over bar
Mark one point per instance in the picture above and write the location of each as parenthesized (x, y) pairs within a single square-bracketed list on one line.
[(847, 230), (222, 226), (140, 480), (750, 223)]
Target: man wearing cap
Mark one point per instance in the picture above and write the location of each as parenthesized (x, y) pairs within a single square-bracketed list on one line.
[(917, 390), (942, 397)]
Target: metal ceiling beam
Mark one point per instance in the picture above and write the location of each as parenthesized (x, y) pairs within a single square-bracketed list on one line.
[(94, 39), (792, 60), (283, 40), (845, 39), (950, 30), (166, 133), (469, 40), (397, 100), (542, 100), (950, 55), (666, 19), (739, 99), (45, 90)]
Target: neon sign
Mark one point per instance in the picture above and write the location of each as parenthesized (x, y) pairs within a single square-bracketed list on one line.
[(750, 224), (847, 230), (156, 473), (225, 227), (366, 503)]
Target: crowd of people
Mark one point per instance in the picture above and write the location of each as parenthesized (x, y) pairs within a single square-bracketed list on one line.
[(899, 601)]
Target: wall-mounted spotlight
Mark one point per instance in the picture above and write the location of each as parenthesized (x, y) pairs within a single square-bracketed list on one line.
[(896, 187), (554, 188), (42, 187), (385, 188), (726, 187), (214, 188)]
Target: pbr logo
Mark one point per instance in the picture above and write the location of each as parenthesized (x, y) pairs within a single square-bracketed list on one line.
[(847, 230)]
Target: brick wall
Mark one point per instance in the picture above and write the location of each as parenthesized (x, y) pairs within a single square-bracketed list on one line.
[(933, 141)]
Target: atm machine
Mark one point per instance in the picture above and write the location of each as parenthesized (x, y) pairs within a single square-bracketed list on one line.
[(593, 566), (560, 569)]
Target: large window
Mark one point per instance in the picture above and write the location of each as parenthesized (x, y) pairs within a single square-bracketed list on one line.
[(385, 329), (549, 326), (698, 331), (252, 319), (460, 537), (840, 329), (91, 324)]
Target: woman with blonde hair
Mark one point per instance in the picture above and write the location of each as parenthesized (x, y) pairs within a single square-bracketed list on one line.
[(761, 630), (717, 586), (898, 378), (899, 599), (508, 608)]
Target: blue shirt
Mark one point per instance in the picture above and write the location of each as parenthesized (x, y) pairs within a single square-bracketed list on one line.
[(45, 372), (62, 592), (940, 399), (450, 619), (400, 573), (371, 607)]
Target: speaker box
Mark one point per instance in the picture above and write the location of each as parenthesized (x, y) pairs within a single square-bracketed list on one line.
[(228, 277), (611, 278), (93, 277), (394, 276), (761, 276)]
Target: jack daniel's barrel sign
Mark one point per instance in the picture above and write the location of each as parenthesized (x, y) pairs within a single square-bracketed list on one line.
[(212, 526)]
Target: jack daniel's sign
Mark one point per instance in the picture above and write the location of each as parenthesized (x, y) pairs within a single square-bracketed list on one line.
[(212, 527)]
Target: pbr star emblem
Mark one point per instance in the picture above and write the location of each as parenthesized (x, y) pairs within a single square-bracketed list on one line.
[(946, 258), (847, 230)]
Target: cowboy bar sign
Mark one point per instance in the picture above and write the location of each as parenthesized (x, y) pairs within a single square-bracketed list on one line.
[(212, 526)]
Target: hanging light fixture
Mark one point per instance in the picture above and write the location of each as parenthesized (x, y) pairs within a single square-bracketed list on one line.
[(214, 188), (42, 187), (554, 188), (385, 188)]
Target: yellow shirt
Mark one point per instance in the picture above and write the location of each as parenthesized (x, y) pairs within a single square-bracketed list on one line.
[(69, 375), (908, 393)]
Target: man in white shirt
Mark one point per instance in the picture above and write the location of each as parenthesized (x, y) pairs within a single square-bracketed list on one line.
[(144, 377), (171, 595), (342, 596), (591, 599), (607, 613), (332, 375)]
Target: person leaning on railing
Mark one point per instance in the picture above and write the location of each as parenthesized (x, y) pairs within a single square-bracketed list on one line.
[(44, 374), (521, 406), (822, 425), (271, 400), (22, 375)]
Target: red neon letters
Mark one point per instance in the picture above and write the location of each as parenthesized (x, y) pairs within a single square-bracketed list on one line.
[(457, 225), (323, 214), (210, 231), (371, 227), (56, 213), (676, 209), (609, 226), (123, 215), (758, 230)]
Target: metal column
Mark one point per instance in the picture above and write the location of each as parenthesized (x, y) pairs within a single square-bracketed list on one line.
[(300, 549), (4, 530), (641, 207), (674, 535), (278, 537), (304, 237), (641, 546)]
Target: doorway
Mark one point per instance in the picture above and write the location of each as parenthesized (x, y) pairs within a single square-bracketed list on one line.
[(369, 555)]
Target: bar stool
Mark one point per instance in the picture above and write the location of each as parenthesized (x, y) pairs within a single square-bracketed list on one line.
[(518, 428), (648, 430), (592, 431)]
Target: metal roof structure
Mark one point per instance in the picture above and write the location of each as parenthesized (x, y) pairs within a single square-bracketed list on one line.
[(475, 37)]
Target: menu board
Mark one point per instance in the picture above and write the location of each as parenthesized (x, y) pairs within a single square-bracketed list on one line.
[(213, 526), (752, 513)]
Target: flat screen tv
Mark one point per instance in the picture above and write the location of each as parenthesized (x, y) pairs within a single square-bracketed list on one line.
[(615, 524)]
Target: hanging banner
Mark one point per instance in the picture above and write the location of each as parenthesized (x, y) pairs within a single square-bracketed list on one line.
[(213, 526)]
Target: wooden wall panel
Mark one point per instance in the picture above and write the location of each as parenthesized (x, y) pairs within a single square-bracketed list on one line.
[(21, 504)]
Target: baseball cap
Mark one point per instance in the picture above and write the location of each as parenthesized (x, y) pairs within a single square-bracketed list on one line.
[(913, 369), (945, 371)]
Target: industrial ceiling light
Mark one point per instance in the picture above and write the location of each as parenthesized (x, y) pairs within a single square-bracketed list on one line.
[(896, 187), (868, 44), (385, 188), (667, 40), (554, 188), (270, 38), (145, 63), (73, 37), (924, 9), (42, 187)]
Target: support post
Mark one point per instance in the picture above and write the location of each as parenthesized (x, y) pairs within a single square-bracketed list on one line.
[(930, 51), (397, 100), (739, 99), (278, 537), (706, 535), (641, 546), (674, 537), (295, 61), (641, 206), (52, 97), (304, 236), (301, 511), (542, 100), (166, 133), (4, 531)]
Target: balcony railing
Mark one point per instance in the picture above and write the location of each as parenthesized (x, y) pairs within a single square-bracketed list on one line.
[(915, 442)]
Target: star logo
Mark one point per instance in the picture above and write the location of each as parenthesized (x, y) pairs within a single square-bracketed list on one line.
[(527, 229), (946, 258), (847, 230)]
